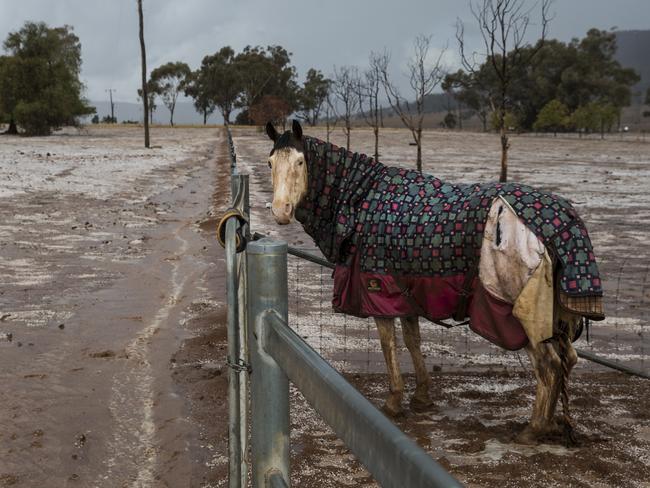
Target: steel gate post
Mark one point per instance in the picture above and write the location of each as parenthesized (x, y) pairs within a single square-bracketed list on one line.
[(234, 420), (267, 291), (243, 337)]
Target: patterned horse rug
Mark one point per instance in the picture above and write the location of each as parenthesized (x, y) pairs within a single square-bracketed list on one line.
[(407, 244)]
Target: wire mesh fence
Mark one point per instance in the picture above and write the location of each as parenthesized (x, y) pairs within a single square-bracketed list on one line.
[(352, 344)]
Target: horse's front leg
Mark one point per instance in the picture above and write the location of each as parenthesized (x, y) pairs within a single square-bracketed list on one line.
[(393, 404), (411, 331)]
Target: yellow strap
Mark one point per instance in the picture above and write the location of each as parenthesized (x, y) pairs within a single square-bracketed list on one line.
[(221, 226)]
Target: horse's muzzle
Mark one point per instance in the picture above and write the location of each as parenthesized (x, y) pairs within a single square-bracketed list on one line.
[(282, 213)]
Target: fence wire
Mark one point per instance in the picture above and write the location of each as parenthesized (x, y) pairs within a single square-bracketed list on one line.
[(352, 344)]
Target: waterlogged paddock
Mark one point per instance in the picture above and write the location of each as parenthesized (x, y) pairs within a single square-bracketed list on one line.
[(484, 395), (112, 333)]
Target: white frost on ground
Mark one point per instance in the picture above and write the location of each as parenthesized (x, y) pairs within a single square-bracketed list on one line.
[(96, 167)]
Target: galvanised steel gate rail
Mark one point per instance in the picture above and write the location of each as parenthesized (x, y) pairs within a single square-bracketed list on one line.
[(279, 355)]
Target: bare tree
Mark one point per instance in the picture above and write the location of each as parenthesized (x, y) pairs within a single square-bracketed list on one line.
[(368, 88), (145, 97), (503, 25), (331, 118), (344, 89), (423, 79)]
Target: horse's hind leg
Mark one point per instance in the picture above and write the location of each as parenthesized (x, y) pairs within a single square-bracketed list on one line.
[(393, 404), (569, 358), (411, 332), (548, 372)]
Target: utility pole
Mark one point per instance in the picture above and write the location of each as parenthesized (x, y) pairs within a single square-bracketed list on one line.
[(145, 95), (110, 94)]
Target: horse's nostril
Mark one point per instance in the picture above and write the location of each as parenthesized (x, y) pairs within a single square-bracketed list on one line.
[(288, 208)]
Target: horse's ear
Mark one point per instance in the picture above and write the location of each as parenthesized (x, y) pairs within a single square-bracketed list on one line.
[(271, 132), (297, 130)]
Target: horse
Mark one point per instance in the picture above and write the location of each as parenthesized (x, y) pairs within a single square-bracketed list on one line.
[(512, 261)]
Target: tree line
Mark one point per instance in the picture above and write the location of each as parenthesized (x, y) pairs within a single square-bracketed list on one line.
[(511, 84), (571, 86), (260, 83)]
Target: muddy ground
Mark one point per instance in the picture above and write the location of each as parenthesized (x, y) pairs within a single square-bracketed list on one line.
[(106, 271), (112, 338), (483, 395)]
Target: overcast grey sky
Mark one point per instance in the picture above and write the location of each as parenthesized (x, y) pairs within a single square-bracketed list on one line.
[(320, 34)]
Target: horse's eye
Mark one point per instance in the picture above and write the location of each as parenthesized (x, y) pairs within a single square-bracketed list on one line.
[(269, 164), (300, 162)]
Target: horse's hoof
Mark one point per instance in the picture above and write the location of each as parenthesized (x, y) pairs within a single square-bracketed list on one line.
[(528, 437), (420, 404), (391, 410)]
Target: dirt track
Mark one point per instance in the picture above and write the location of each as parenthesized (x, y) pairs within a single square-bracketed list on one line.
[(104, 266), (113, 296)]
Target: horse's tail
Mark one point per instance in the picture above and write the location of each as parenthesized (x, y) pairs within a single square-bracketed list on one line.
[(566, 333)]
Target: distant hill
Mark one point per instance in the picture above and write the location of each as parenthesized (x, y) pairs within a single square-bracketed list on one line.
[(634, 52), (183, 114)]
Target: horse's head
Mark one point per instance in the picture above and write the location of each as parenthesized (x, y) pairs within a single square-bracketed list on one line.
[(289, 171)]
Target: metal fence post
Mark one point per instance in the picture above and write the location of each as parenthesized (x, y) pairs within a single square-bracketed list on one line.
[(267, 291), (234, 420), (243, 204)]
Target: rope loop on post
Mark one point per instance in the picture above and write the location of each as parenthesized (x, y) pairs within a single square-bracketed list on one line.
[(240, 239)]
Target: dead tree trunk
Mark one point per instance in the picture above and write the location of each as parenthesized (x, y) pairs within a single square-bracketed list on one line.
[(145, 96), (505, 145), (503, 25), (418, 141), (375, 130), (423, 80)]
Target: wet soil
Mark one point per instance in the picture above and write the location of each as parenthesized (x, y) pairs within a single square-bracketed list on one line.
[(470, 431), (102, 287), (112, 335)]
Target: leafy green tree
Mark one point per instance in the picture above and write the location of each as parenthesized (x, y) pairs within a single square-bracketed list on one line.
[(220, 81), (196, 89), (607, 114), (270, 108), (449, 121), (171, 79), (595, 116), (554, 116), (266, 72), (472, 91), (584, 119), (509, 121), (40, 88), (312, 96), (595, 75), (575, 73)]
